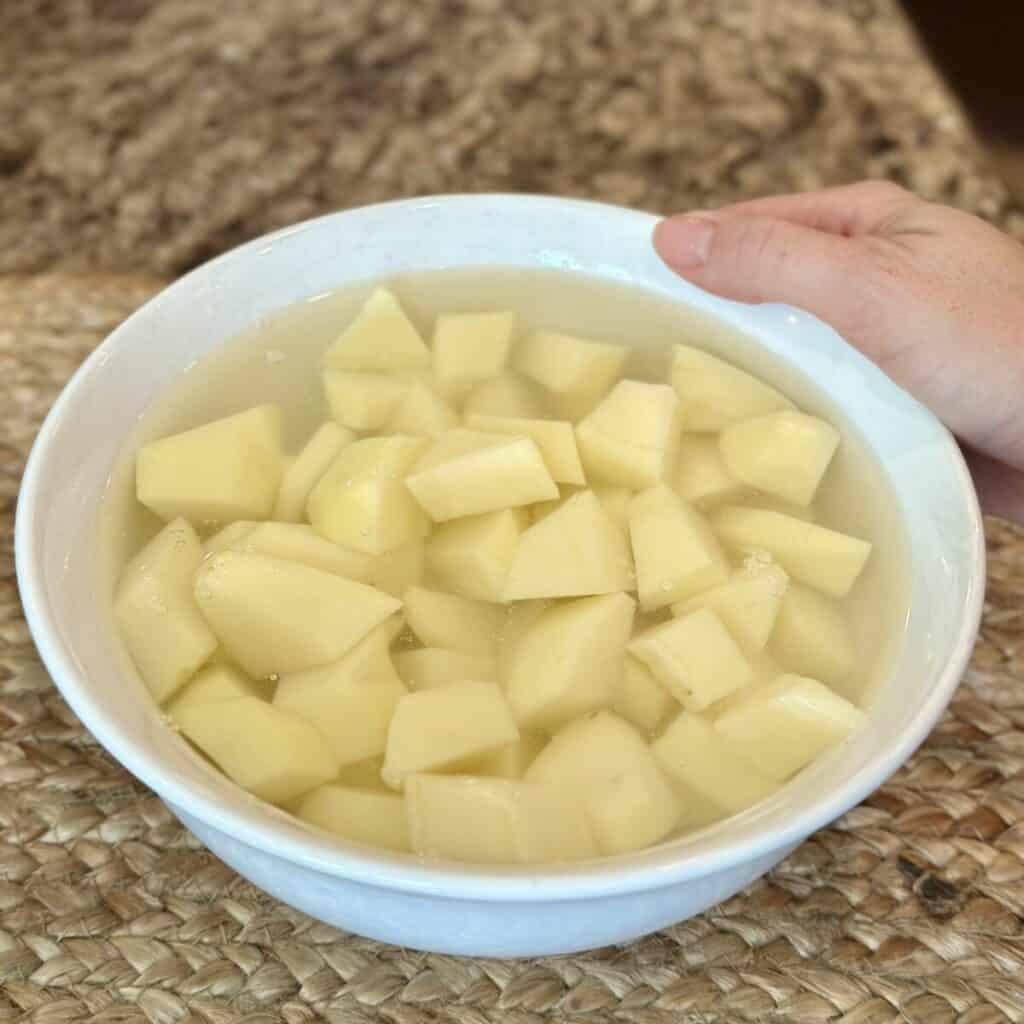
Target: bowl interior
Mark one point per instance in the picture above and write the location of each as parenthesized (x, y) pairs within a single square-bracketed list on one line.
[(79, 443)]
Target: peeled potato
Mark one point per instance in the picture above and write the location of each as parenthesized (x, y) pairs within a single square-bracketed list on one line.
[(453, 622), (811, 636), (380, 338), (422, 413), (429, 667), (302, 474), (363, 401), (363, 815), (564, 363), (701, 475), (554, 438), (507, 395), (640, 698), (213, 683), (469, 347)]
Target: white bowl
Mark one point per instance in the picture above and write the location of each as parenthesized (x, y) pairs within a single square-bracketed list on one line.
[(449, 907)]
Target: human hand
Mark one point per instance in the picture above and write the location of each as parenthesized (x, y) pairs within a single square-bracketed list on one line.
[(932, 294)]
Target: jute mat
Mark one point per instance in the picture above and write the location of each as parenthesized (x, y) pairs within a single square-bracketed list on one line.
[(908, 909)]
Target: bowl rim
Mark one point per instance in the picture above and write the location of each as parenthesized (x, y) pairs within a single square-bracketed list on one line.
[(657, 866)]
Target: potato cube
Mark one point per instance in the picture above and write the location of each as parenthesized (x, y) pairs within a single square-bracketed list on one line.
[(519, 617), (564, 363), (160, 622), (569, 660), (811, 637), (228, 469), (423, 413), (228, 536), (574, 406), (507, 395), (693, 754), (305, 470), (701, 476), (675, 550), (505, 475), (271, 753), (397, 570), (380, 338), (631, 438), (362, 401), (554, 438), (453, 622), (784, 453), (362, 815), (433, 730), (822, 558), (615, 501), (274, 616), (299, 542), (511, 761), (453, 444), (629, 802), (640, 698), (364, 774), (430, 667), (472, 556), (361, 502), (695, 658), (784, 726), (469, 347), (713, 393), (574, 551), (747, 603), (213, 683)]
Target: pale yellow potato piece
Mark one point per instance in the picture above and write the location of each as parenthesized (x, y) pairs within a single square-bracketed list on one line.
[(695, 658), (575, 551), (273, 616), (505, 475), (507, 395), (675, 551), (811, 637), (822, 558), (568, 661), (273, 754), (555, 439), (511, 762), (470, 347), (630, 439), (784, 453), (381, 337), (747, 603), (784, 726), (566, 363), (362, 815), (453, 622), (228, 536), (640, 698), (575, 405), (422, 412), (606, 762), (451, 445), (364, 774), (304, 471), (436, 729), (696, 757), (472, 556), (299, 542), (713, 393), (362, 401), (519, 617), (429, 667), (362, 502), (495, 821), (156, 611), (396, 570), (701, 476), (615, 501), (213, 683), (227, 469)]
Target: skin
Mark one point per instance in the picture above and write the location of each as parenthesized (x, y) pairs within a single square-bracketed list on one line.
[(933, 295)]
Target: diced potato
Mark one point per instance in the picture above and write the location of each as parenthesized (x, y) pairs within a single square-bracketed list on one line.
[(273, 754), (631, 438), (615, 501), (364, 774), (430, 667), (507, 395), (713, 393), (565, 363), (470, 347), (506, 475), (784, 453), (213, 683), (472, 556), (554, 438), (519, 617), (826, 559), (784, 726), (573, 406), (160, 623), (754, 499), (305, 470), (811, 637), (675, 550), (542, 509), (380, 338), (572, 552), (629, 802), (453, 622), (228, 536), (274, 616), (695, 757), (640, 698), (695, 658), (362, 401), (361, 502), (363, 815), (701, 476), (495, 821), (397, 570), (453, 444), (423, 413), (511, 762), (569, 660), (433, 730), (747, 603), (299, 542), (228, 469)]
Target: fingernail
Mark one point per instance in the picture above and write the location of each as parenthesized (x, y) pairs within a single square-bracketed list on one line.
[(684, 242)]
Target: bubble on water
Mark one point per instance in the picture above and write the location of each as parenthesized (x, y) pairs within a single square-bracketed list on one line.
[(273, 677), (275, 355), (666, 586), (364, 532), (348, 483)]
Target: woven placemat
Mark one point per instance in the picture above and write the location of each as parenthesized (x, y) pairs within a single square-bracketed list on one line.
[(908, 909)]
